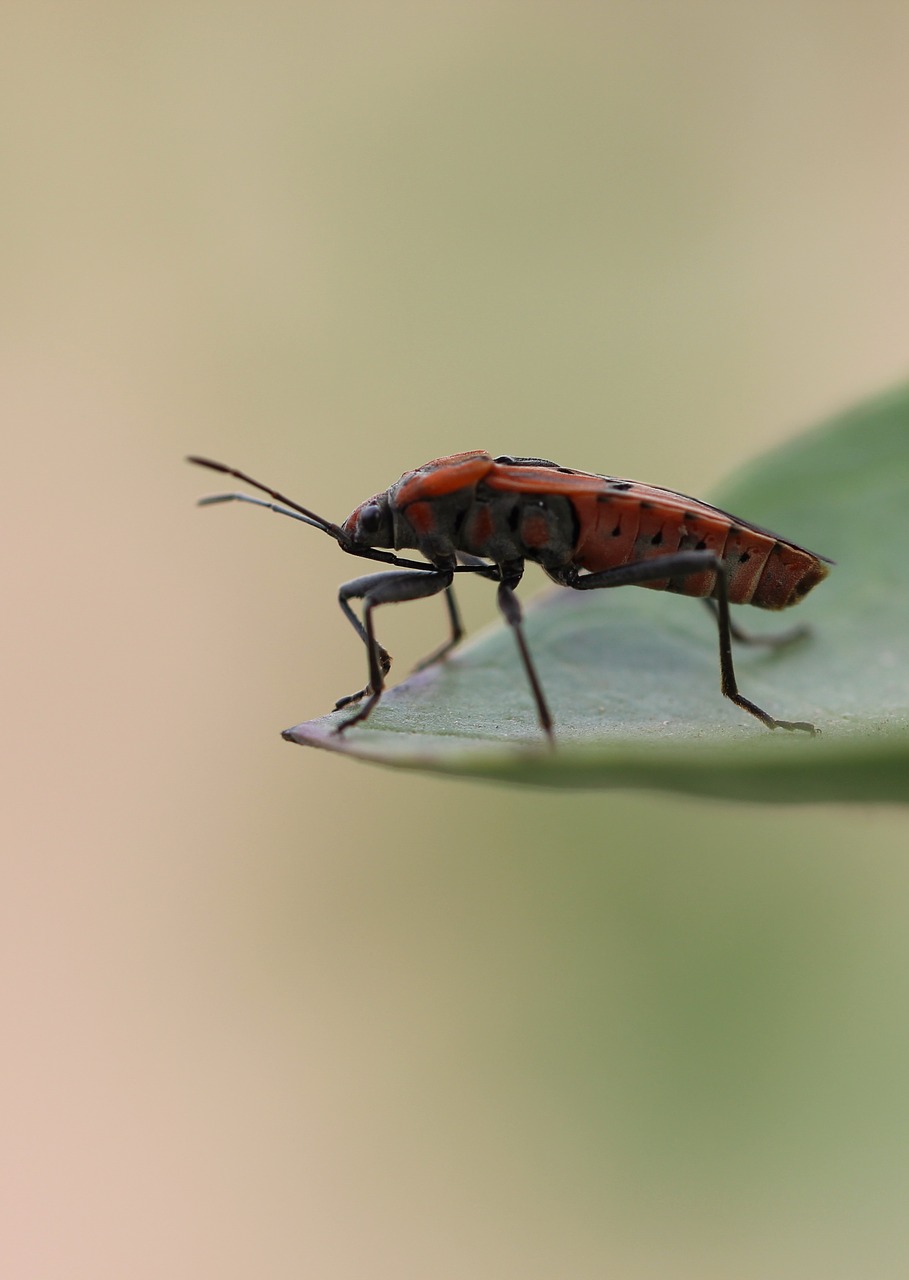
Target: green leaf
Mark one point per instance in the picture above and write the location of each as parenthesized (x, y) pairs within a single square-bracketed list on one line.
[(632, 677)]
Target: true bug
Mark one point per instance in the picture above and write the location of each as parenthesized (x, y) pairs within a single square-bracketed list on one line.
[(472, 513)]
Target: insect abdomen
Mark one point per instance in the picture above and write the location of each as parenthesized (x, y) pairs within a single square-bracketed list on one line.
[(621, 528), (789, 574)]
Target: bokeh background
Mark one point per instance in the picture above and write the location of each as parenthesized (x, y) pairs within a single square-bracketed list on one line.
[(271, 1013)]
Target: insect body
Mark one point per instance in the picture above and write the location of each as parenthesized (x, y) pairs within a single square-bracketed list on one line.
[(472, 513)]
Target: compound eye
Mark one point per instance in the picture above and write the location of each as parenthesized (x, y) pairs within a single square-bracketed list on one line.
[(370, 519)]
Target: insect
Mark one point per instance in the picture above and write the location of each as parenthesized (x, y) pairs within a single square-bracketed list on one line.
[(472, 513)]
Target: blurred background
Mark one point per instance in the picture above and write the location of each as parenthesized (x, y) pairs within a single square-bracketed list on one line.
[(268, 1011)]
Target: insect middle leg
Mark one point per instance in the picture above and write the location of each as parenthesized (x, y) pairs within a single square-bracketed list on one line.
[(683, 564), (511, 611), (373, 590)]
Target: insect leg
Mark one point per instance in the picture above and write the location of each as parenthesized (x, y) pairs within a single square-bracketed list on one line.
[(511, 611), (466, 564), (373, 590), (683, 564), (775, 640), (457, 632)]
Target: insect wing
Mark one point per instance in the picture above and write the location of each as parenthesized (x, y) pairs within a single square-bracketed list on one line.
[(580, 485)]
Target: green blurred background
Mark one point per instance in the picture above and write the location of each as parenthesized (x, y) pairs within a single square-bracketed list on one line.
[(269, 1012)]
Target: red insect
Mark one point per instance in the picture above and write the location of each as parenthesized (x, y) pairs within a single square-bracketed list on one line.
[(472, 513)]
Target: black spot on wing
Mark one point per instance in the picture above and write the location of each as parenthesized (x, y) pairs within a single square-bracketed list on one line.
[(736, 520)]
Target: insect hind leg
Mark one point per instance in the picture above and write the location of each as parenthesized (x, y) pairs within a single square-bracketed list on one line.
[(682, 564), (771, 640)]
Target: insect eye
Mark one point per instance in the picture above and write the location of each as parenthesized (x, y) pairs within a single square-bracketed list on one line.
[(370, 518)]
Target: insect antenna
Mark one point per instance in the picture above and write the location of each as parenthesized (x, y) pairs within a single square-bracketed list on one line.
[(296, 511), (212, 498), (284, 506)]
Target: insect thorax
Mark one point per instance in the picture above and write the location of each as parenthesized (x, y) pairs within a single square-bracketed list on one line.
[(502, 527)]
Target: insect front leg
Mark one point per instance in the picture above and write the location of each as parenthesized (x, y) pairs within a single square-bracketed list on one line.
[(684, 564), (466, 564), (457, 632), (373, 590)]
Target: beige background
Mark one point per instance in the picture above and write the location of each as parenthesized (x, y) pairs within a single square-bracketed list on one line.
[(268, 1013)]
